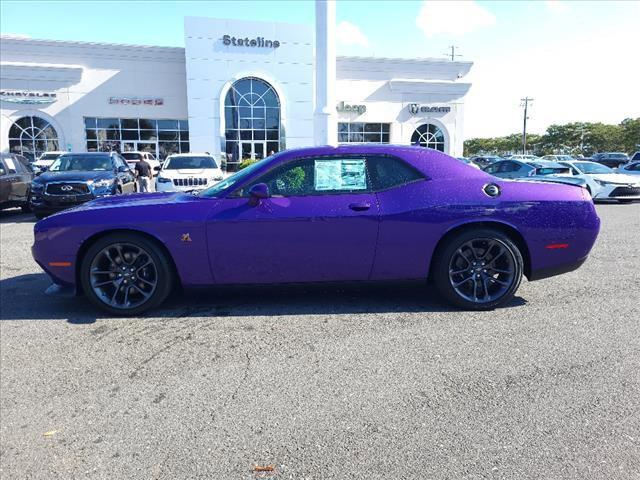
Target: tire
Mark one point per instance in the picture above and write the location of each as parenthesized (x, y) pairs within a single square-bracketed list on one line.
[(126, 291), (502, 255), (26, 208)]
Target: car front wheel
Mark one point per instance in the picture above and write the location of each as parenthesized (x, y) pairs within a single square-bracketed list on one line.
[(478, 269), (126, 274)]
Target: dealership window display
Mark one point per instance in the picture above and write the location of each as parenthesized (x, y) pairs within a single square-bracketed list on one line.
[(428, 135), (32, 136), (359, 132), (252, 120), (159, 137)]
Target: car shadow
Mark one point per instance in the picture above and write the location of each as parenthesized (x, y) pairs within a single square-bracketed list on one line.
[(22, 298), (16, 215)]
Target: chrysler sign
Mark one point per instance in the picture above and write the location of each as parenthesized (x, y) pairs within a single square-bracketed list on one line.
[(414, 108), (27, 97)]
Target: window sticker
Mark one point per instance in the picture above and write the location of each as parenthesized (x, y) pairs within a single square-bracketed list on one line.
[(340, 175)]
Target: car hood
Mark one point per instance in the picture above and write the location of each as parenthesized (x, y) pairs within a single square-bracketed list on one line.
[(621, 178), (73, 176), (136, 199)]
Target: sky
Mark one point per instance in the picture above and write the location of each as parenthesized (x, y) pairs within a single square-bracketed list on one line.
[(579, 61)]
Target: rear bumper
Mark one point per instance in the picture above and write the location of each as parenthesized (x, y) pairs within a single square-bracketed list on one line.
[(556, 270)]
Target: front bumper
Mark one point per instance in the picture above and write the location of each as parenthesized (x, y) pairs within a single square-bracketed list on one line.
[(617, 192), (45, 203)]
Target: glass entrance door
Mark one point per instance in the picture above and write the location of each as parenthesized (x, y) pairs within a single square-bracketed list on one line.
[(151, 147), (253, 150)]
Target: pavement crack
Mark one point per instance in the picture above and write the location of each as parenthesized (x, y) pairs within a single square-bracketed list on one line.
[(168, 346)]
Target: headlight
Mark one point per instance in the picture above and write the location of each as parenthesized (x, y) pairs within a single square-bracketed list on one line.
[(604, 184), (164, 180), (107, 182)]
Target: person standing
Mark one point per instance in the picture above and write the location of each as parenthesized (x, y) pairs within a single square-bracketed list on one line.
[(144, 175)]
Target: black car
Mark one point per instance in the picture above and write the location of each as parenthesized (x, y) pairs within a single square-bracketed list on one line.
[(610, 159), (15, 181), (75, 178)]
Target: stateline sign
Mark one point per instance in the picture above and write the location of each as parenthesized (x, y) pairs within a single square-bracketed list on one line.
[(415, 108), (27, 97), (258, 42)]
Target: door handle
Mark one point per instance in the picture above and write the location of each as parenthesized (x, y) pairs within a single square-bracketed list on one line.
[(360, 207)]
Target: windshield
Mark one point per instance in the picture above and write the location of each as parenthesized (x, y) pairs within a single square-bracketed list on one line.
[(67, 163), (237, 177), (50, 156), (617, 156), (186, 163), (592, 168), (131, 156)]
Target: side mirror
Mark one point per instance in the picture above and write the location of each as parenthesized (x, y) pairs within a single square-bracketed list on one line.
[(122, 169), (258, 192), (2, 172), (157, 169)]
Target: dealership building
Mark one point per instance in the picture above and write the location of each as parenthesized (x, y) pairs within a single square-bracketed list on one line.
[(237, 89)]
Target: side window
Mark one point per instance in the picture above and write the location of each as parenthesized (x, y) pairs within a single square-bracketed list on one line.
[(491, 169), (314, 176), (10, 163), (506, 167), (390, 172)]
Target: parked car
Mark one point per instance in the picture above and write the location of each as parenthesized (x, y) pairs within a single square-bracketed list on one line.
[(558, 158), (631, 168), (133, 157), (76, 178), (188, 172), (484, 160), (538, 171), (604, 183), (613, 160), (46, 160), (522, 157), (347, 213), (468, 162), (15, 181), (635, 157)]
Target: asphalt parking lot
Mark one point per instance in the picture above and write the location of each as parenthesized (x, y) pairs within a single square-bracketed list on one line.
[(326, 382)]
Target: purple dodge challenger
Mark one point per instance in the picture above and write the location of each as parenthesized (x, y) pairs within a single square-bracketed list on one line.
[(325, 214)]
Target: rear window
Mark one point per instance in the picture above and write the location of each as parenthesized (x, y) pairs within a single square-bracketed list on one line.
[(131, 156), (552, 171)]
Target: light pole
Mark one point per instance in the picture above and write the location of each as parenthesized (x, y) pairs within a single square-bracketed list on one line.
[(524, 102)]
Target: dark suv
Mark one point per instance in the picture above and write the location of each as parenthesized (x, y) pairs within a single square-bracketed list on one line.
[(75, 178), (612, 160), (15, 181)]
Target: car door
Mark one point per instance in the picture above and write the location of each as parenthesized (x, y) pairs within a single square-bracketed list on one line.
[(16, 186), (125, 176), (320, 223)]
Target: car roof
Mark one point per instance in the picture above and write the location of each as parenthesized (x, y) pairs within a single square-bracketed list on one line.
[(191, 154), (92, 154)]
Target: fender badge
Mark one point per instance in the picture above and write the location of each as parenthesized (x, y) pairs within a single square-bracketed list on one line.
[(185, 237)]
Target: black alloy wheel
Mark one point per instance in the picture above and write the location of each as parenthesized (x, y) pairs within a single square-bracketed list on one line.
[(126, 274), (479, 269)]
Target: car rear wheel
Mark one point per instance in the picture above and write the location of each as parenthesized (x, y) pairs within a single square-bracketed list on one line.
[(126, 274), (479, 269)]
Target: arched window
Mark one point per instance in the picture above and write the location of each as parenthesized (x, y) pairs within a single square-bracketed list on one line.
[(252, 120), (32, 136), (428, 135)]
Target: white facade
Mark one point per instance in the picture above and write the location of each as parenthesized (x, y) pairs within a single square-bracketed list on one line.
[(87, 91)]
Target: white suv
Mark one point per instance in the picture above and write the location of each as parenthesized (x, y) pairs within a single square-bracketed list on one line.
[(133, 157), (187, 172)]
